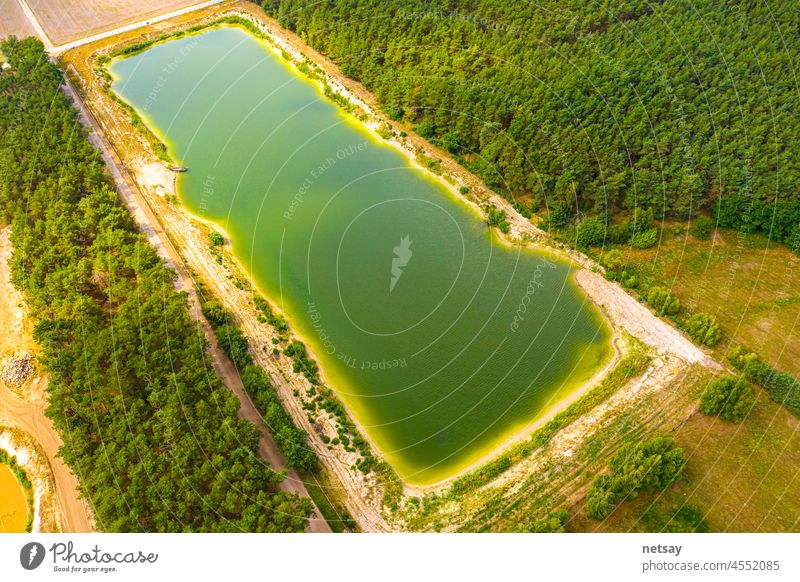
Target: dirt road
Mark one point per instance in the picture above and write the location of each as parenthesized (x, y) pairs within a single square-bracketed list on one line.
[(151, 227), (48, 45), (54, 49), (94, 37), (28, 413)]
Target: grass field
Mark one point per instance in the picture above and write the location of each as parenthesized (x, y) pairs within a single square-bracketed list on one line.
[(750, 284), (738, 478), (13, 21), (68, 20)]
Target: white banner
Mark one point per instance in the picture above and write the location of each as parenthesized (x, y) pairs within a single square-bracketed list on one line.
[(407, 557)]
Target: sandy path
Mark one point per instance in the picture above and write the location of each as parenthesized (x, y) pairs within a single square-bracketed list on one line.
[(125, 28), (363, 501), (638, 320), (151, 227), (28, 414)]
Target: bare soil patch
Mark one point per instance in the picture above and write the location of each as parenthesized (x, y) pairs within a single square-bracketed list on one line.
[(68, 20), (13, 21), (638, 320)]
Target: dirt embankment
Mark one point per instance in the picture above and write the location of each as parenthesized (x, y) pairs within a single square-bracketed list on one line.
[(560, 474), (22, 415), (363, 491), (414, 147), (148, 188), (677, 354)]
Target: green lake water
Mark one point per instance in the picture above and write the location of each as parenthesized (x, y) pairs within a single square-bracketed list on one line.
[(442, 340), (13, 504)]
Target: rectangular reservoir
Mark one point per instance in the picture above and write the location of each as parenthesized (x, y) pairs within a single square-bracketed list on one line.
[(441, 339)]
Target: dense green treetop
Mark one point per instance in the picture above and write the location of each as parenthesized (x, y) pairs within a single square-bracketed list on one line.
[(589, 107), (149, 429)]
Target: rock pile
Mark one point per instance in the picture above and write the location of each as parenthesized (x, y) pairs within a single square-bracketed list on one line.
[(16, 370)]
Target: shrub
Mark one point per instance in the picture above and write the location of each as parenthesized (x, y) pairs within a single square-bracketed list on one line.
[(553, 523), (783, 388), (657, 464), (395, 111), (676, 517), (613, 260), (424, 129), (662, 301), (497, 217), (677, 230), (591, 232), (702, 227), (793, 239), (385, 131), (276, 321), (522, 209), (302, 363), (292, 440), (651, 466), (645, 239), (601, 501), (348, 521), (216, 238), (729, 398), (214, 312), (619, 233), (234, 344), (704, 329), (558, 215), (755, 369), (641, 221)]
